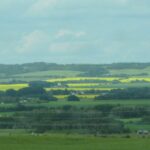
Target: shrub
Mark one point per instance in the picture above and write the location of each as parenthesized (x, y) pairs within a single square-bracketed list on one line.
[(73, 98)]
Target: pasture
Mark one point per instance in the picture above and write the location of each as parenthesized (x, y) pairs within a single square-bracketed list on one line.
[(72, 142), (131, 72), (84, 96), (50, 73), (90, 103)]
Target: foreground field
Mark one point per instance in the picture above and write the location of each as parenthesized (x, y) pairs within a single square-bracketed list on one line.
[(70, 142)]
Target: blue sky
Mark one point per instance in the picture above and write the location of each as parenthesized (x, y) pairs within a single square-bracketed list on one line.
[(74, 31)]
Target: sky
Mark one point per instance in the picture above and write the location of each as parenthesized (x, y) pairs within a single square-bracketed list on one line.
[(74, 31)]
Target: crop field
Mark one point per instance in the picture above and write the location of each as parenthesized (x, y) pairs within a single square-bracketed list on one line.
[(80, 86), (84, 96), (88, 83), (131, 79), (64, 76), (4, 87), (80, 89), (123, 80), (83, 84), (72, 142), (83, 78)]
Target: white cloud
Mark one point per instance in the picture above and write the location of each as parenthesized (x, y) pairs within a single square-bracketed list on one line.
[(41, 7), (32, 42), (5, 4), (68, 47), (15, 5), (37, 41), (60, 47), (65, 33), (121, 2)]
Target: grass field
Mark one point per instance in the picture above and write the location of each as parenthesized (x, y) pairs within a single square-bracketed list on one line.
[(131, 71), (101, 102), (58, 73), (72, 142), (86, 103), (89, 103)]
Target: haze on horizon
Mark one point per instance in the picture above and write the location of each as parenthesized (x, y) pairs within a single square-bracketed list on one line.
[(74, 31)]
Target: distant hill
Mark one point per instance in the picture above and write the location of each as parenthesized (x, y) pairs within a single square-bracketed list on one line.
[(41, 66), (42, 70)]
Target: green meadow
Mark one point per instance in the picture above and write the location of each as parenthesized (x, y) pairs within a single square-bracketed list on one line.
[(72, 142), (50, 73)]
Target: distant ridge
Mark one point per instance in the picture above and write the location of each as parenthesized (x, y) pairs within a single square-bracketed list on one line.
[(43, 66)]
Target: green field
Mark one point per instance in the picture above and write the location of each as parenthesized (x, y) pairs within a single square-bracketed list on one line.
[(130, 71), (86, 88), (86, 103), (89, 103), (58, 73), (72, 142), (89, 96)]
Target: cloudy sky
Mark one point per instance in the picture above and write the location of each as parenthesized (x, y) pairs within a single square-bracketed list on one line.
[(74, 31)]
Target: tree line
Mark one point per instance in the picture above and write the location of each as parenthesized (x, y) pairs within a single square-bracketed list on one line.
[(128, 93)]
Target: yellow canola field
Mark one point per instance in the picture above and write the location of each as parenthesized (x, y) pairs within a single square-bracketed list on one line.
[(80, 96), (123, 80), (83, 78), (80, 89), (131, 79), (4, 87), (78, 86), (83, 84)]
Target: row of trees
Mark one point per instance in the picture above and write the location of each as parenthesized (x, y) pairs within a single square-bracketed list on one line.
[(32, 93), (99, 119), (129, 93), (66, 119)]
